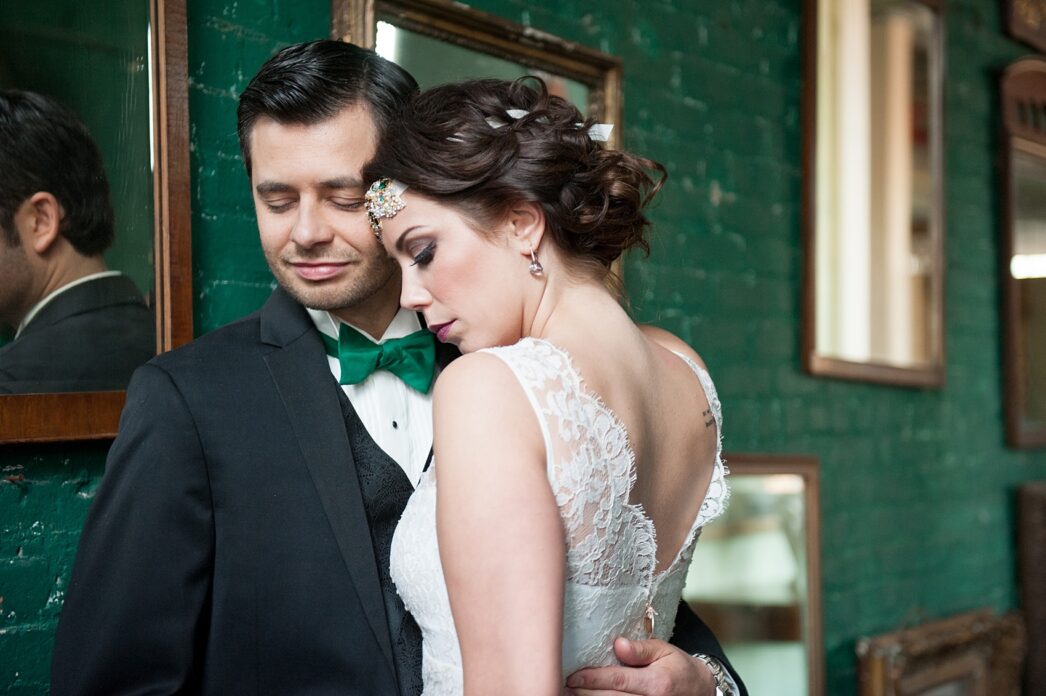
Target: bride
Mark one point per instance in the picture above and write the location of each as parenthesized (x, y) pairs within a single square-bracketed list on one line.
[(577, 454)]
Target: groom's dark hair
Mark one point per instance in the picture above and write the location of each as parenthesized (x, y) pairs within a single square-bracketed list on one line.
[(311, 82), (45, 147)]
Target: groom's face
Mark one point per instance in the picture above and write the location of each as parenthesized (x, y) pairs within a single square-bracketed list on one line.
[(308, 197)]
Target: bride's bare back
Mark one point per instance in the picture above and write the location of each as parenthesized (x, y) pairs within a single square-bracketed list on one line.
[(640, 376)]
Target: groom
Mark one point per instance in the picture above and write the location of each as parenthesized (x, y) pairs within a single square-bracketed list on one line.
[(239, 540)]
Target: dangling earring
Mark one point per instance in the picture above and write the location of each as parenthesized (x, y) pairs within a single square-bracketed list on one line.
[(536, 269)]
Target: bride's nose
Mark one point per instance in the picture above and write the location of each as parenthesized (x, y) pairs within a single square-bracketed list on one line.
[(413, 294)]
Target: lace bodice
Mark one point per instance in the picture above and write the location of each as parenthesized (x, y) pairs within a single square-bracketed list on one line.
[(612, 583)]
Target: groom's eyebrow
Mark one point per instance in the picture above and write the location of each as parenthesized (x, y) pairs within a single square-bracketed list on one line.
[(342, 182), (337, 183), (272, 187)]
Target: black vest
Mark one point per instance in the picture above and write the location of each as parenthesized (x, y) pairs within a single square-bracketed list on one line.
[(385, 490)]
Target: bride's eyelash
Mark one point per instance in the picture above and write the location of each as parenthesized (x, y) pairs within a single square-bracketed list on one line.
[(425, 256)]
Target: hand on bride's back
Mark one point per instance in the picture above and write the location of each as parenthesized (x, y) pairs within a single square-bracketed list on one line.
[(649, 668)]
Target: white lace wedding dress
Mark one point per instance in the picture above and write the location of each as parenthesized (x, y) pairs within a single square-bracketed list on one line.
[(612, 587)]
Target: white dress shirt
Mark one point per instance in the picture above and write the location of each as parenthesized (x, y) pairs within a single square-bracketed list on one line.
[(397, 417)]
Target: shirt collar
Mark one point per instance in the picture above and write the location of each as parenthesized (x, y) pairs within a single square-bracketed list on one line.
[(47, 299), (403, 324)]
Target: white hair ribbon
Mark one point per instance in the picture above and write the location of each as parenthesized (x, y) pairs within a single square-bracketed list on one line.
[(598, 132)]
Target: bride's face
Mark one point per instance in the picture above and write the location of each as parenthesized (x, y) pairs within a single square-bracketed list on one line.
[(470, 287)]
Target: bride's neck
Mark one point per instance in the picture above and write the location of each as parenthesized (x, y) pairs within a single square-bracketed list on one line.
[(573, 307)]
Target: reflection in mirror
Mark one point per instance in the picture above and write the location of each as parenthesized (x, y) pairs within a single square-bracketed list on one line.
[(77, 310), (440, 42), (754, 579), (1023, 250), (433, 62), (876, 210), (1028, 269)]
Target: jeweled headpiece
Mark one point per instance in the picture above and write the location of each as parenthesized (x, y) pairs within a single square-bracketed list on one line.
[(383, 201)]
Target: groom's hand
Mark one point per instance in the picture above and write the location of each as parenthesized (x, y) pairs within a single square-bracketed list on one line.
[(650, 668)]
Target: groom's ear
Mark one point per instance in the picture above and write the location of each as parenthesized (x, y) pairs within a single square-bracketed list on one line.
[(525, 226)]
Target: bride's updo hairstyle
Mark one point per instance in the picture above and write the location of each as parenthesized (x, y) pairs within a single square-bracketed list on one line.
[(457, 144)]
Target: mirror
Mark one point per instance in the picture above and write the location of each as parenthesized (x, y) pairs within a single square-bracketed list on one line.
[(873, 208), (1024, 251), (121, 69), (755, 575), (441, 42)]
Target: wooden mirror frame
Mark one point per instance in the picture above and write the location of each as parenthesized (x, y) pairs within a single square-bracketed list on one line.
[(355, 21), (1023, 87), (817, 363), (807, 467), (95, 415)]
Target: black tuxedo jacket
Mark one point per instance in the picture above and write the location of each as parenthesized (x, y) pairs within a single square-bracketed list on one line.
[(227, 550), (91, 337)]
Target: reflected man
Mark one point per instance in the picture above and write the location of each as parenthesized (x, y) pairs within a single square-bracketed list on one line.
[(80, 326)]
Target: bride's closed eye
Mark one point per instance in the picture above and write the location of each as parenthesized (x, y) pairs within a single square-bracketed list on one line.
[(425, 256)]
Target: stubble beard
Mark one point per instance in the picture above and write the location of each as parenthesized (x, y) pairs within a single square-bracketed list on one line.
[(364, 281), (16, 282)]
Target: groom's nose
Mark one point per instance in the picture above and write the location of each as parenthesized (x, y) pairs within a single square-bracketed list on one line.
[(310, 227)]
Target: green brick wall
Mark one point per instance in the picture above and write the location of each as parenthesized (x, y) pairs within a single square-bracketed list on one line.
[(917, 486)]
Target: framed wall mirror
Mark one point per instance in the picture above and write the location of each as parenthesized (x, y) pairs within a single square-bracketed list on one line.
[(439, 41), (755, 576), (1023, 249), (120, 68), (873, 194)]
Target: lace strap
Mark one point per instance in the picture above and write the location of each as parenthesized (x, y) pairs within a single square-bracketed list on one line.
[(532, 385)]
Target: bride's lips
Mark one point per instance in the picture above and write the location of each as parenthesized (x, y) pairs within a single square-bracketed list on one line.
[(441, 330), (318, 270)]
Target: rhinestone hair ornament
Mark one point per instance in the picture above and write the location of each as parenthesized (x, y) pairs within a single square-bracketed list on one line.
[(383, 201)]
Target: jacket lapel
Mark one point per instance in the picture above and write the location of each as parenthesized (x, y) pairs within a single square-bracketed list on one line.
[(299, 368)]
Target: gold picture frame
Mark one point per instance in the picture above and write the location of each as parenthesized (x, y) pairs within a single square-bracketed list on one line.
[(972, 654)]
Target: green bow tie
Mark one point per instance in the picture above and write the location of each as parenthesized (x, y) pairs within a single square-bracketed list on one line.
[(411, 358)]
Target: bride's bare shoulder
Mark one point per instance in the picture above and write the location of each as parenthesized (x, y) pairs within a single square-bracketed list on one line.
[(670, 341)]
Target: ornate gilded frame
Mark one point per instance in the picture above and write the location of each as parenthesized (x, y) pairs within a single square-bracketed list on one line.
[(95, 415), (1026, 21), (978, 650)]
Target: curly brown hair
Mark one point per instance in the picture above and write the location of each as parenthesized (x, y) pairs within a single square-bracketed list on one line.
[(592, 197)]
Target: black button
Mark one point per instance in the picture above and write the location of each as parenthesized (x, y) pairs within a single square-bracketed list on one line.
[(395, 425)]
